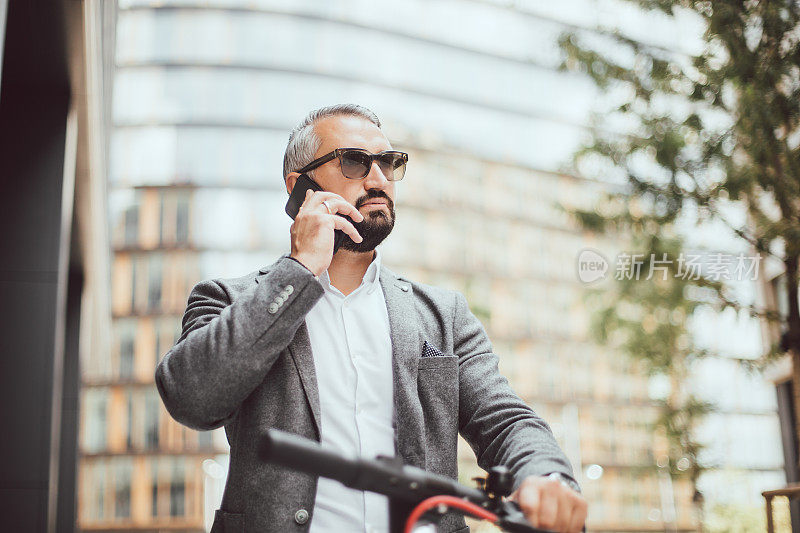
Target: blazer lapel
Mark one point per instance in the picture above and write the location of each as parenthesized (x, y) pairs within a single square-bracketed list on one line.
[(409, 422), (300, 348)]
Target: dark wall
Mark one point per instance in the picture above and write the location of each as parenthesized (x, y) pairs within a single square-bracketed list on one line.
[(67, 504), (34, 99)]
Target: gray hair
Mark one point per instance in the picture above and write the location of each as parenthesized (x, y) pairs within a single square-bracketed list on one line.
[(304, 141)]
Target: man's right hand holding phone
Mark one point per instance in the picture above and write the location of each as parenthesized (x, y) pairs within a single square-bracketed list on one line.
[(313, 227)]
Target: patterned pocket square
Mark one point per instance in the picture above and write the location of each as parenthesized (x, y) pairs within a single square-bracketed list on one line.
[(429, 350)]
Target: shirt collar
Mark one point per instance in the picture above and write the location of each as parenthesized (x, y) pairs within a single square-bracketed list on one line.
[(370, 281)]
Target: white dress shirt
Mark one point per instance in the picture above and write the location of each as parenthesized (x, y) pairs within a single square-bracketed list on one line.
[(352, 348)]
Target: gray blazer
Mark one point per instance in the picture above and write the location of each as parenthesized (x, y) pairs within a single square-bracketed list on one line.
[(244, 361)]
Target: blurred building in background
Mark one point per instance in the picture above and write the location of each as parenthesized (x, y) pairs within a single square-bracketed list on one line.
[(205, 95)]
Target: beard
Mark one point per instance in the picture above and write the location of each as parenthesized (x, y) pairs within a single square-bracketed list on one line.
[(375, 227)]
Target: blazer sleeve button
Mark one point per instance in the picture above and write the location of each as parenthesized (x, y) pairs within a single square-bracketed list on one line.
[(273, 308), (301, 516)]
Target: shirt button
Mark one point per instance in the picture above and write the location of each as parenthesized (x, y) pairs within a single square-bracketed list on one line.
[(301, 516)]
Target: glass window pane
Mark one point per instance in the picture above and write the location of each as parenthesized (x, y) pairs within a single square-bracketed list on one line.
[(154, 484), (131, 226), (94, 429), (97, 489), (122, 488), (126, 340), (131, 429), (155, 281), (182, 220), (151, 419), (177, 489)]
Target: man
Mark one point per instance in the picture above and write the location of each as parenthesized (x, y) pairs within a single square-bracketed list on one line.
[(339, 349)]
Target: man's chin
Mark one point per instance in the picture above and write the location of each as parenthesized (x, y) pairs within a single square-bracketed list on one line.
[(374, 233)]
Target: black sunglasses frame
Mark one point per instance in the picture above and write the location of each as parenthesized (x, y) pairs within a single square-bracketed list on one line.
[(339, 152)]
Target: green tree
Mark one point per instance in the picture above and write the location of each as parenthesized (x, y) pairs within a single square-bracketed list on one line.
[(646, 314), (704, 136)]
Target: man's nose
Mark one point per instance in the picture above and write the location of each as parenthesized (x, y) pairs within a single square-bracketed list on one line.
[(376, 178)]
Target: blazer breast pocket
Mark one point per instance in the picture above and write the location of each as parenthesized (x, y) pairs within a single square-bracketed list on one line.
[(437, 385)]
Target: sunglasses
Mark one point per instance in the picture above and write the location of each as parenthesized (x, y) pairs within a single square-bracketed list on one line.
[(357, 162)]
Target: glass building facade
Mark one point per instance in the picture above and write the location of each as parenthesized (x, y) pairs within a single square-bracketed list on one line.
[(205, 95)]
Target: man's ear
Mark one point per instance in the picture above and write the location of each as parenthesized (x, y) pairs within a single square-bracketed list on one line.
[(290, 180)]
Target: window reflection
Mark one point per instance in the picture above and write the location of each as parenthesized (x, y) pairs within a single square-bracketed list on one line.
[(126, 332), (154, 282), (95, 406), (164, 155), (122, 488), (182, 220), (152, 409), (177, 489)]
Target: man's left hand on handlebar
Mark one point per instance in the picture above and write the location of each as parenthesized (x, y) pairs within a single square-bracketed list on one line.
[(548, 503)]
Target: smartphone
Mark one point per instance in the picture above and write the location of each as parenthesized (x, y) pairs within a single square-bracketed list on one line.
[(298, 196)]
